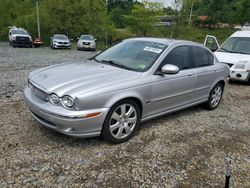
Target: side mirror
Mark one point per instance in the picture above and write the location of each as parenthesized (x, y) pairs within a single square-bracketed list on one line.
[(95, 39), (78, 38), (170, 69), (51, 38)]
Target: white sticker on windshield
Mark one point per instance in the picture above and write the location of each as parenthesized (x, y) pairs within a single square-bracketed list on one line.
[(151, 49)]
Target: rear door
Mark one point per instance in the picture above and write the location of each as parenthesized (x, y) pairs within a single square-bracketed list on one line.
[(205, 71)]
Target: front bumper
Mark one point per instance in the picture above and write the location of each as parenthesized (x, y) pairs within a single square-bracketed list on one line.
[(65, 121), (240, 75), (62, 46), (86, 47), (21, 43)]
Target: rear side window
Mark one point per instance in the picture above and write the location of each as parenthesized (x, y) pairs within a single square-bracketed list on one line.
[(201, 57), (179, 56)]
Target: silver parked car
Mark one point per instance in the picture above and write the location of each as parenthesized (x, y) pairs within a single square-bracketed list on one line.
[(133, 81), (60, 41), (86, 42)]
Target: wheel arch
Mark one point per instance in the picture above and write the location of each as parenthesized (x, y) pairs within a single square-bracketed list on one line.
[(221, 81), (118, 98)]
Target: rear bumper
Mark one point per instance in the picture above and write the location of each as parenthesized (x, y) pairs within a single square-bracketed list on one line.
[(65, 121)]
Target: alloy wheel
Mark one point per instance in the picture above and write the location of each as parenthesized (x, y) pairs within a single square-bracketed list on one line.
[(123, 121), (216, 96)]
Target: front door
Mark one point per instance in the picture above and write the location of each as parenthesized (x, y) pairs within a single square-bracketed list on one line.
[(172, 91)]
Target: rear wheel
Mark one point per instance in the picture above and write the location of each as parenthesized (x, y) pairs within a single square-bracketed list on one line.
[(248, 82), (121, 121), (215, 96)]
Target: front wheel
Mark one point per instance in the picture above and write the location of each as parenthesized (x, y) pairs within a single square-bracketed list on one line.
[(121, 122), (215, 96)]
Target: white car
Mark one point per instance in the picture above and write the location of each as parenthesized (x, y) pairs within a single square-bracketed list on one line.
[(19, 37), (86, 42), (235, 52)]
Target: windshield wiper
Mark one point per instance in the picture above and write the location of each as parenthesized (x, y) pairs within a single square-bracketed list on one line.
[(115, 63), (225, 50), (235, 52), (241, 53), (93, 58)]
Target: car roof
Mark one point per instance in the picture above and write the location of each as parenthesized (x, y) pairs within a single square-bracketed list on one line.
[(18, 29), (165, 41), (60, 35), (241, 34)]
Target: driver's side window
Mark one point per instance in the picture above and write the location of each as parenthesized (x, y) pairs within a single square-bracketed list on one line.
[(179, 56)]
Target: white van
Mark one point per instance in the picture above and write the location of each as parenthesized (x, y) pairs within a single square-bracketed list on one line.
[(235, 52)]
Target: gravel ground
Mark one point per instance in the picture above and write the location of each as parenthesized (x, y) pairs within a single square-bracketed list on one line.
[(181, 150)]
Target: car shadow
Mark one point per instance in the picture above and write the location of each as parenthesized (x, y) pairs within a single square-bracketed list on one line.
[(235, 82), (65, 140)]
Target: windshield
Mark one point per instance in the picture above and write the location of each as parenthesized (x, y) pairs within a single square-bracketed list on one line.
[(87, 37), (132, 54), (19, 32), (236, 45), (60, 37)]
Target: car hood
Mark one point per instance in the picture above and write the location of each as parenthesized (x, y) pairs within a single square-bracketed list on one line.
[(232, 58), (81, 77), (20, 35), (60, 40), (86, 40)]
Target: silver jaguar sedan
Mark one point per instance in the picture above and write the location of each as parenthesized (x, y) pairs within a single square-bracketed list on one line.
[(131, 82)]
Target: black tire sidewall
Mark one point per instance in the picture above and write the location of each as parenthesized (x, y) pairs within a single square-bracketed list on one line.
[(105, 129), (209, 106)]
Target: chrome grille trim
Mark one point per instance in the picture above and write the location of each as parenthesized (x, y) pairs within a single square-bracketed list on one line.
[(37, 91)]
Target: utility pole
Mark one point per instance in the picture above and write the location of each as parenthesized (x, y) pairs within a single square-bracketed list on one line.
[(191, 14), (38, 20)]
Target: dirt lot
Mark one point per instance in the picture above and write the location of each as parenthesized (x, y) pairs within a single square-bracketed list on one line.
[(180, 150)]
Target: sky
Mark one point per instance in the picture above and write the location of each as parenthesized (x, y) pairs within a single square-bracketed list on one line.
[(166, 3)]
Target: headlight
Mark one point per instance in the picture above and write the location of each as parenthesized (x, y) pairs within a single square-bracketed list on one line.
[(55, 41), (14, 38), (53, 98), (68, 101), (239, 66)]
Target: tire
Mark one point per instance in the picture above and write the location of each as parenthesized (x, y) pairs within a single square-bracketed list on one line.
[(215, 97), (118, 126), (248, 82)]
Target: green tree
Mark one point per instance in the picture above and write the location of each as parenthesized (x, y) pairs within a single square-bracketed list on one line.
[(143, 16)]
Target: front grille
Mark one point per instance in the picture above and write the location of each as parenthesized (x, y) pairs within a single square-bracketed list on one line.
[(19, 38), (62, 43), (86, 43), (39, 93)]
